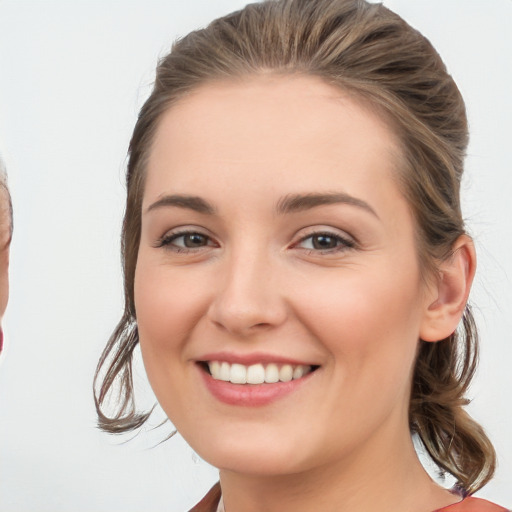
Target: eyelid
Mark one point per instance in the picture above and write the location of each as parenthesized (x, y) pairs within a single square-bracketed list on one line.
[(347, 241), (165, 241)]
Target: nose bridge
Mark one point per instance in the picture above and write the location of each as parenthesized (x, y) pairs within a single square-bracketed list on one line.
[(248, 296)]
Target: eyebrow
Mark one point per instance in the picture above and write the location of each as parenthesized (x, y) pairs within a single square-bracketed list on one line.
[(288, 204), (195, 203), (300, 202)]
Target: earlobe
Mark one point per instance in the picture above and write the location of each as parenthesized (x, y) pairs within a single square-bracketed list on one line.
[(449, 293)]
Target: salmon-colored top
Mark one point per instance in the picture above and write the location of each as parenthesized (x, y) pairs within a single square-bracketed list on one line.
[(212, 503), (473, 505)]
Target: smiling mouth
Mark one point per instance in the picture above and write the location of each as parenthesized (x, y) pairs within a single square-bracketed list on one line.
[(256, 373)]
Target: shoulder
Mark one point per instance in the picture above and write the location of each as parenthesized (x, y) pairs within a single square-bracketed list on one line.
[(210, 502), (473, 505)]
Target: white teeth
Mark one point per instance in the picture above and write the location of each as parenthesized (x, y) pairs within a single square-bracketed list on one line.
[(298, 372), (256, 373), (286, 373), (225, 371), (271, 374), (215, 369), (238, 374)]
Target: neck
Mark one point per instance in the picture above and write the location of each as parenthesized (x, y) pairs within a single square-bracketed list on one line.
[(383, 478)]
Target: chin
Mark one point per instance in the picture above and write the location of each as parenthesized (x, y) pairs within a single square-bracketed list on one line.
[(247, 455)]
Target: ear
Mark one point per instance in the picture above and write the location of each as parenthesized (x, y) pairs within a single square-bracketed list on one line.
[(447, 296)]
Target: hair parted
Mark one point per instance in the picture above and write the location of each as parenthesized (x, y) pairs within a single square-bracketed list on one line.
[(370, 52)]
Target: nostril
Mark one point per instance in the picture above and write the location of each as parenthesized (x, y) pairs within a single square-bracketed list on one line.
[(261, 324)]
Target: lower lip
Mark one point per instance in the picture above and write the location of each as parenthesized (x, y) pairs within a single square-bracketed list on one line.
[(251, 395)]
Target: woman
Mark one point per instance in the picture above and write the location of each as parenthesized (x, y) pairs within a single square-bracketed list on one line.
[(296, 265)]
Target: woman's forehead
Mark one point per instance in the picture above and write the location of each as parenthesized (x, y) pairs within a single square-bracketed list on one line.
[(243, 147), (268, 121)]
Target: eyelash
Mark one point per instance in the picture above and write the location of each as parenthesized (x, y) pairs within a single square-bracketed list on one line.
[(167, 241), (342, 243)]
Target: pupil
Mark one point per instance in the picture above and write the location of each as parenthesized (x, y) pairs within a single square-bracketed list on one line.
[(324, 242), (194, 240)]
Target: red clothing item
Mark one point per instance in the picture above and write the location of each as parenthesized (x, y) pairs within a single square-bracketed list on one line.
[(210, 502), (473, 505)]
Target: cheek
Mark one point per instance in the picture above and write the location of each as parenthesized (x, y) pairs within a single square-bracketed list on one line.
[(168, 304), (370, 328), (167, 310), (369, 321)]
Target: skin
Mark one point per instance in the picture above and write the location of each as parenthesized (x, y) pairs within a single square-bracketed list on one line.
[(257, 283), (5, 238)]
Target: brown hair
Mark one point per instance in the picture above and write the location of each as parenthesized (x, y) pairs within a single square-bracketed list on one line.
[(371, 52)]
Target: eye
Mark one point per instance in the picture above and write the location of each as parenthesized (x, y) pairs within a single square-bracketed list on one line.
[(185, 241), (325, 242), (190, 240)]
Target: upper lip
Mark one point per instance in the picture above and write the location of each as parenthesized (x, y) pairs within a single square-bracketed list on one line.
[(252, 358)]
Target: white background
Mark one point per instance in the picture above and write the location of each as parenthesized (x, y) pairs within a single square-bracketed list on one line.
[(73, 75)]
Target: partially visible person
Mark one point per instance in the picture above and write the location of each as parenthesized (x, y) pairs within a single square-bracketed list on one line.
[(5, 242)]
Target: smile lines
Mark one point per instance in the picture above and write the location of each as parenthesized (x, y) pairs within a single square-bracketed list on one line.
[(257, 373)]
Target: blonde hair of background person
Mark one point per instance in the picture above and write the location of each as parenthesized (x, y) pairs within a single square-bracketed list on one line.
[(5, 242), (391, 75)]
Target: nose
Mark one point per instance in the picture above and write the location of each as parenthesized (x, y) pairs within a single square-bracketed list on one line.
[(249, 299)]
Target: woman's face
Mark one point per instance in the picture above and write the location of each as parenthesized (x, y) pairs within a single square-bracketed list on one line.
[(276, 245)]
